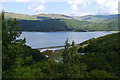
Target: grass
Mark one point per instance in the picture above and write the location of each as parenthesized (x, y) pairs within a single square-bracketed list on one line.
[(57, 54), (84, 45)]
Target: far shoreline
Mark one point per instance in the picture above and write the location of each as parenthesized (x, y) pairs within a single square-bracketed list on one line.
[(70, 31)]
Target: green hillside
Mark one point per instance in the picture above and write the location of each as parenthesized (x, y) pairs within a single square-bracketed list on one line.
[(20, 16), (68, 25), (113, 23), (106, 25), (102, 53), (35, 17), (96, 18), (52, 16), (57, 22), (44, 25), (103, 44), (89, 18), (53, 25), (92, 18)]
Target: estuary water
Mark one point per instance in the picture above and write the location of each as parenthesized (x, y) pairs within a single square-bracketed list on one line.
[(49, 39)]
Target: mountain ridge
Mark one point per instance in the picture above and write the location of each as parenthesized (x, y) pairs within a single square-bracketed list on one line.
[(54, 16), (56, 22)]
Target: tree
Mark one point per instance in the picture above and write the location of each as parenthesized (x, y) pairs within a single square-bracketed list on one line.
[(10, 58), (18, 59), (11, 48), (98, 74), (66, 51), (70, 55), (72, 68), (10, 30)]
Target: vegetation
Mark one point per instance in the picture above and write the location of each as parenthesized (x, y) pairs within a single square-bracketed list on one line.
[(57, 22), (68, 25), (96, 18), (19, 16), (56, 55), (21, 61), (91, 18), (102, 53), (44, 25), (16, 55)]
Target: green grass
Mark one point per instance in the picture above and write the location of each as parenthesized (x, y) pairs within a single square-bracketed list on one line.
[(20, 16), (85, 45), (57, 55)]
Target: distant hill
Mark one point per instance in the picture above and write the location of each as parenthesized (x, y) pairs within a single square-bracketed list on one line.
[(20, 16), (96, 18), (68, 25), (100, 16), (44, 25), (106, 25), (57, 22), (36, 17), (53, 25), (52, 16), (112, 24), (59, 16)]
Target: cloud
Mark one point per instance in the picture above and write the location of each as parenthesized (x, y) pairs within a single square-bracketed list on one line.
[(101, 2), (77, 7), (87, 13), (86, 3), (37, 7), (74, 5), (22, 0), (107, 7), (98, 7)]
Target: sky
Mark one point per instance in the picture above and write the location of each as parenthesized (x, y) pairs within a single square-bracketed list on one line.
[(66, 7)]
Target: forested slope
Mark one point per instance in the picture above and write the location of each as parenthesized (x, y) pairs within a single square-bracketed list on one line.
[(68, 25), (102, 53), (58, 22)]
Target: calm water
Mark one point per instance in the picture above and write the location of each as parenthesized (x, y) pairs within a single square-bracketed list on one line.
[(48, 39)]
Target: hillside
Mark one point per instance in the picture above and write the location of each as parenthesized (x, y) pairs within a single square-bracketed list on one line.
[(57, 22), (60, 16), (35, 17), (106, 25), (20, 16), (68, 25), (52, 16), (44, 25), (96, 18), (103, 44), (53, 25), (102, 53), (112, 23)]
